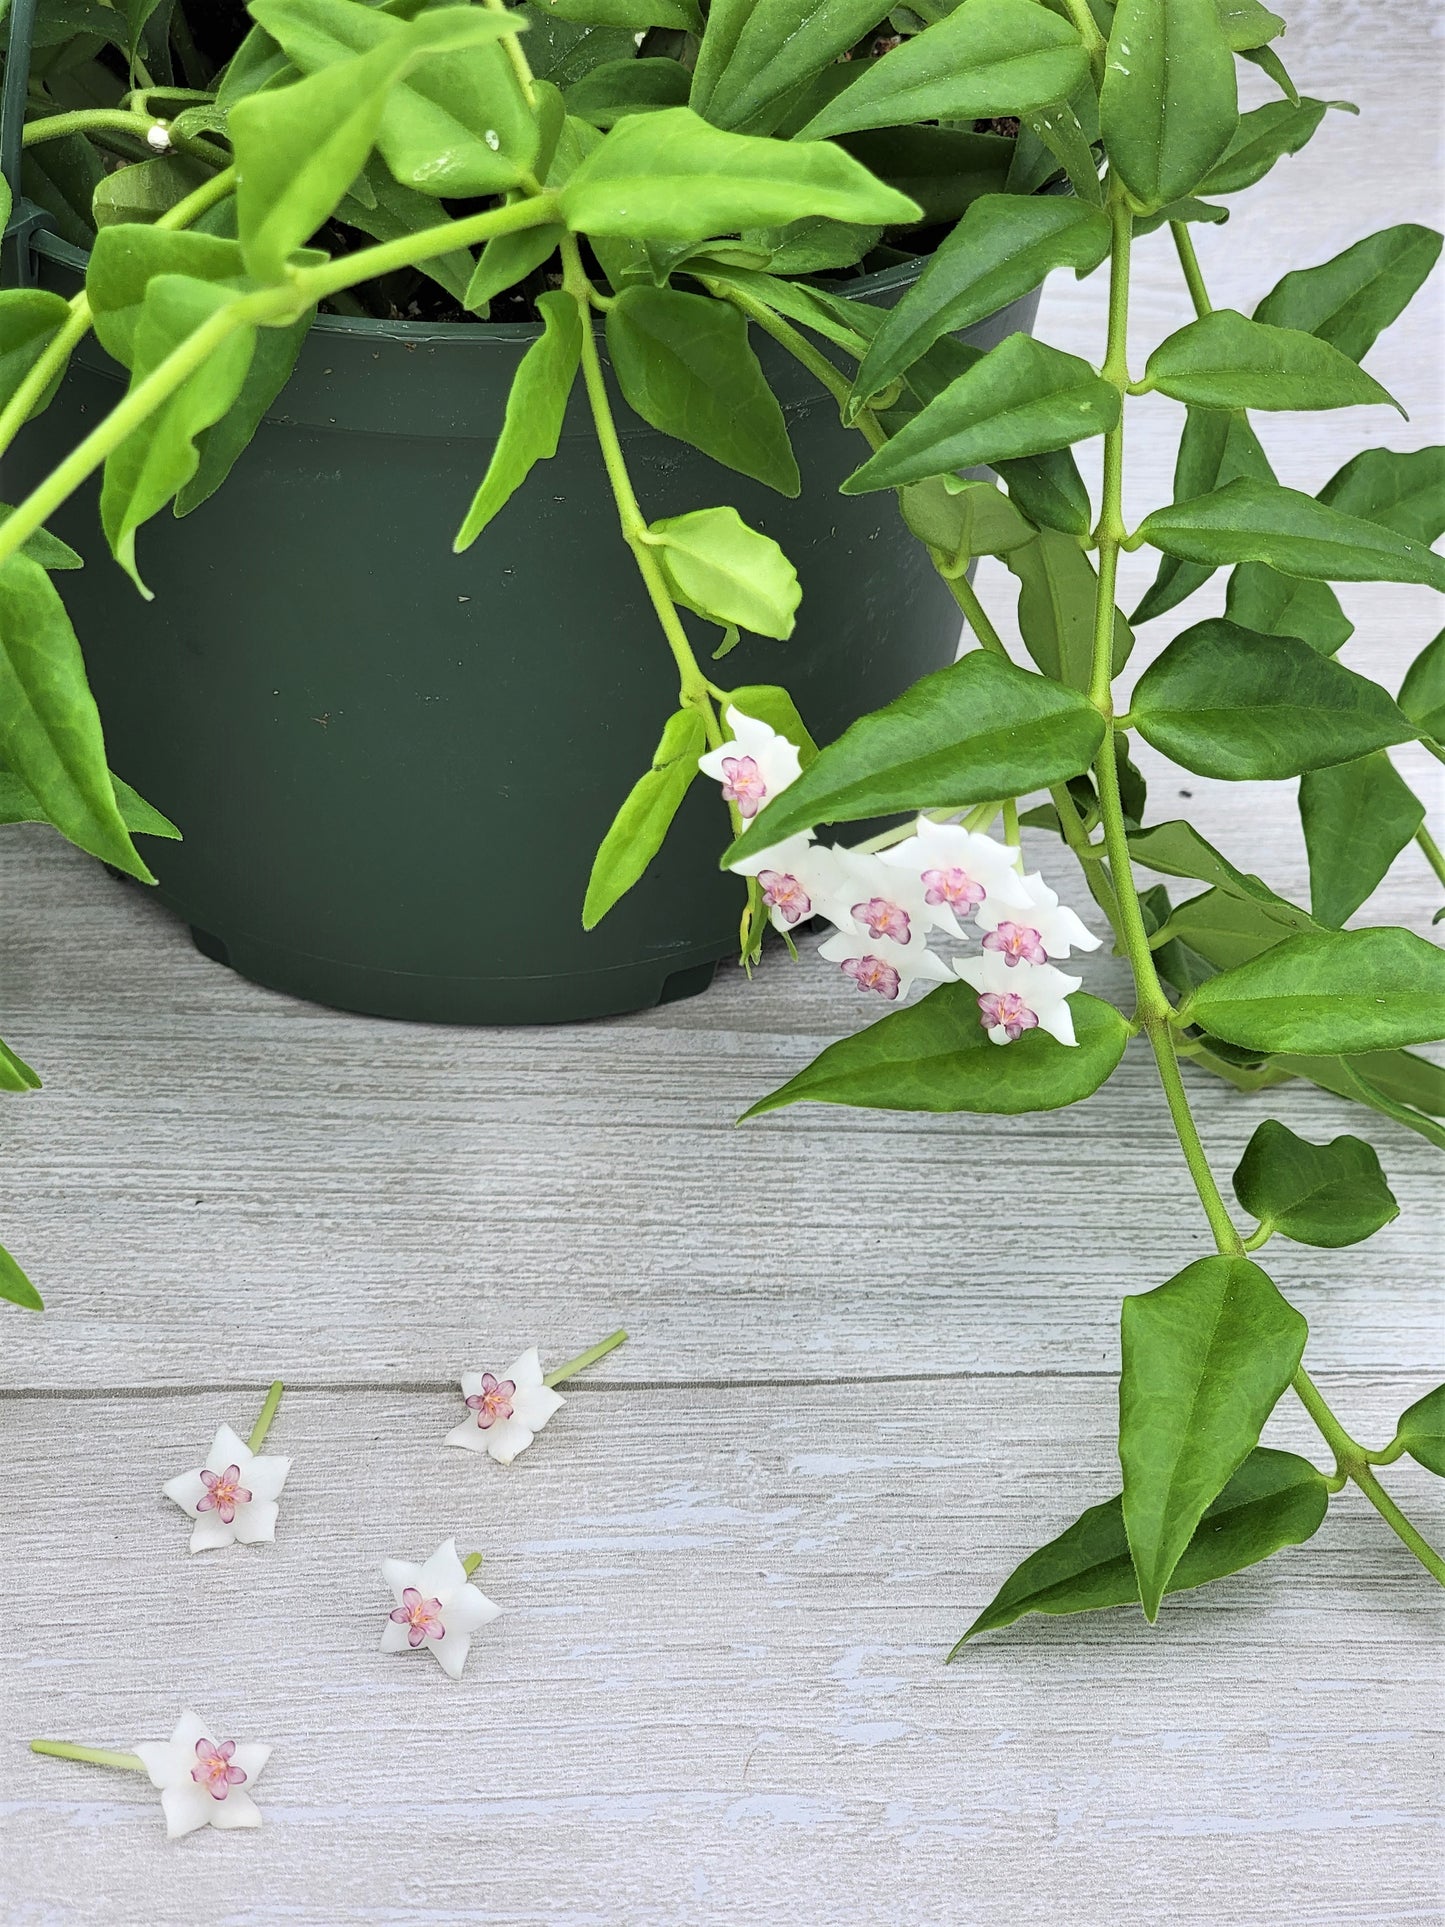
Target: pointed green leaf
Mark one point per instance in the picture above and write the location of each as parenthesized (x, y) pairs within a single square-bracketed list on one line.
[(1255, 522), (1350, 300), (1354, 1078), (1422, 1431), (766, 703), (1357, 818), (1271, 604), (1058, 595), (29, 318), (1168, 106), (1247, 25), (1050, 491), (221, 446), (981, 729), (1328, 993), (1217, 446), (1226, 361), (43, 547), (620, 87), (1405, 493), (1422, 694), (15, 1286), (15, 1073), (721, 569), (381, 207), (978, 519), (1262, 137), (777, 48), (635, 15), (1206, 1359), (639, 827), (1178, 850), (536, 408), (19, 804), (508, 259), (1317, 1194)]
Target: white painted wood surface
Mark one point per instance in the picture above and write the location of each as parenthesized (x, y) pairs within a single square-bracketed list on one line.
[(872, 1366)]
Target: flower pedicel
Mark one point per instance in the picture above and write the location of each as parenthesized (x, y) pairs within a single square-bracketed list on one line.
[(204, 1779), (233, 1496), (506, 1410)]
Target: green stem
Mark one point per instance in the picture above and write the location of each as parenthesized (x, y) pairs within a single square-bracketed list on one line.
[(516, 53), (471, 1562), (1353, 1461), (86, 120), (1259, 1237), (802, 351), (91, 1755), (1189, 262), (584, 1359), (267, 1413), (1434, 855), (315, 284)]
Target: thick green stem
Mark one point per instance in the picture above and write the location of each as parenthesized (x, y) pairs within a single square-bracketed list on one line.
[(315, 284), (1433, 854), (90, 1755), (1189, 262), (265, 1416), (584, 1359)]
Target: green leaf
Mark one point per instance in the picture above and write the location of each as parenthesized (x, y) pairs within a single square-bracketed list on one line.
[(1178, 850), (985, 59), (1271, 604), (1350, 300), (1022, 398), (685, 365), (508, 259), (15, 1073), (220, 447), (1058, 593), (670, 177), (157, 459), (1206, 1358), (1269, 62), (536, 407), (1168, 106), (15, 1286), (1003, 247), (1422, 694), (813, 246), (1422, 1431), (50, 733), (29, 319), (1262, 137), (1355, 1078), (1049, 490), (981, 729), (978, 519), (391, 210), (1274, 1500), (43, 547), (1247, 25), (19, 804), (1250, 521), (1063, 134), (780, 45), (632, 14), (936, 1056), (126, 259), (1405, 493), (1327, 993), (1317, 1194), (1357, 818), (766, 703), (1217, 446), (621, 87), (721, 569), (1226, 361), (639, 827), (146, 190), (943, 169), (562, 51)]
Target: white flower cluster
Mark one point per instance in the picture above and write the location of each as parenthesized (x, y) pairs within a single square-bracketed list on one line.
[(943, 880)]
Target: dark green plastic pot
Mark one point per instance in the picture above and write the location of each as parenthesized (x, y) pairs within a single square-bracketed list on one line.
[(392, 764)]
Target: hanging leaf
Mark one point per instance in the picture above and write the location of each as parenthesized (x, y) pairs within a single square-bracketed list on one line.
[(1405, 493), (15, 1073), (727, 572), (29, 320), (1317, 1194), (15, 1286), (1058, 595), (1254, 522), (1226, 361), (1350, 300), (1422, 694), (639, 827), (1050, 491), (1264, 136), (536, 409), (1329, 993), (620, 87), (1422, 1431), (777, 47), (1217, 446), (1168, 106), (978, 519), (1357, 818), (1271, 604), (1178, 850)]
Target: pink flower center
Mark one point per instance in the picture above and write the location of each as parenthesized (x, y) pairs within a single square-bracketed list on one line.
[(1005, 1010), (213, 1769), (872, 973), (494, 1401), (956, 888), (422, 1617), (1016, 943), (785, 894), (883, 919), (744, 784), (224, 1492)]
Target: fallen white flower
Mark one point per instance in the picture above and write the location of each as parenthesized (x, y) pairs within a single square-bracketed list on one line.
[(203, 1780), (435, 1608), (506, 1412), (232, 1496)]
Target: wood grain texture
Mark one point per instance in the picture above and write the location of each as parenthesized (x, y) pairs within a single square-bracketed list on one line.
[(872, 1367)]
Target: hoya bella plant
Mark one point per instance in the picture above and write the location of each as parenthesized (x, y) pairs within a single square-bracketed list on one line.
[(671, 198)]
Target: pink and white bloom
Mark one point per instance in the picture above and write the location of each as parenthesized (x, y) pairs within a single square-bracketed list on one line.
[(1015, 997), (205, 1778), (1054, 928), (233, 1495), (881, 967), (875, 899), (797, 878), (959, 871), (754, 766), (437, 1609), (505, 1411)]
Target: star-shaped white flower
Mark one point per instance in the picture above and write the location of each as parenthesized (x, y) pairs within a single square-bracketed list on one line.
[(436, 1608), (505, 1413), (232, 1496), (798, 878), (886, 969), (1015, 997), (1043, 924), (960, 870), (873, 899), (205, 1780), (754, 766)]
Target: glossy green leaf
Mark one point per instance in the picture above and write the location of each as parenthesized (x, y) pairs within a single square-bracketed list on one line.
[(1360, 1080), (1269, 62), (1206, 1359), (562, 51), (1274, 1500), (1021, 398), (1058, 595), (1357, 818), (622, 87), (1350, 300), (1262, 137), (936, 1056), (15, 1286), (980, 729), (978, 519), (1247, 25), (670, 177), (127, 258), (29, 319), (631, 14), (777, 47), (1060, 131), (1049, 490), (1249, 521), (721, 569), (639, 827), (685, 365), (1401, 492), (1226, 702), (536, 408), (1271, 604), (984, 59), (767, 703), (1422, 1431), (148, 189), (1168, 106), (1178, 850), (19, 804), (1422, 694), (1217, 446), (1317, 1194), (508, 259), (50, 733), (1328, 993), (943, 169), (1226, 361), (1004, 246), (15, 1073)]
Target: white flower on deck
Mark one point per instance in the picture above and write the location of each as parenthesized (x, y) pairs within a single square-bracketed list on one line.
[(754, 766), (505, 1413), (205, 1780), (797, 877), (232, 1496), (960, 870), (1015, 996), (881, 967), (876, 899), (1035, 932), (436, 1608)]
